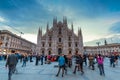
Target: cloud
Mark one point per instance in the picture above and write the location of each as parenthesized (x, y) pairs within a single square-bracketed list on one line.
[(23, 13), (2, 19), (115, 28), (90, 15), (111, 39), (30, 37)]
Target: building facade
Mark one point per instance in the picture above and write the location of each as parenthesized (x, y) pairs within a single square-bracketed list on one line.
[(12, 41), (103, 49), (59, 39)]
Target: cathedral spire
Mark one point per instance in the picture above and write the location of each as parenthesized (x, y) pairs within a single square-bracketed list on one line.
[(65, 21), (79, 32), (41, 32), (47, 29), (72, 27), (80, 39), (54, 21), (39, 35)]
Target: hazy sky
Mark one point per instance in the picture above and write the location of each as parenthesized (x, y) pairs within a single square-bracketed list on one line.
[(97, 18)]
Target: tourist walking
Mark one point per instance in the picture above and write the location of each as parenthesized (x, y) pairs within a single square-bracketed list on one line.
[(37, 59), (100, 64), (69, 57), (66, 64), (85, 59), (41, 59), (81, 64), (91, 61), (25, 59), (61, 61), (77, 63), (112, 60), (11, 63)]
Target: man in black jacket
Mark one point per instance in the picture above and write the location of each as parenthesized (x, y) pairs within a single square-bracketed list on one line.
[(77, 62), (11, 63)]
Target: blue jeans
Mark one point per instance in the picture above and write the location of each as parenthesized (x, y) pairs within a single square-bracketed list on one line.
[(101, 69), (24, 63)]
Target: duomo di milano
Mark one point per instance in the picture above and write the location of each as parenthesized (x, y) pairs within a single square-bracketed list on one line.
[(59, 39)]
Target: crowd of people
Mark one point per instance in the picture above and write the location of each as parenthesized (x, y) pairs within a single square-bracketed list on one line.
[(64, 61), (82, 59)]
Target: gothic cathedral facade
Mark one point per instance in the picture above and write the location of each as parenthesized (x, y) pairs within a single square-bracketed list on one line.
[(59, 39)]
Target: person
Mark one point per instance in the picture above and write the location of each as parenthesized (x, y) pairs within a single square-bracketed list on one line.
[(91, 61), (31, 58), (66, 61), (24, 60), (69, 56), (48, 59), (116, 59), (112, 60), (61, 62), (37, 59), (81, 63), (45, 59), (100, 64), (85, 59), (11, 63), (42, 58), (77, 62)]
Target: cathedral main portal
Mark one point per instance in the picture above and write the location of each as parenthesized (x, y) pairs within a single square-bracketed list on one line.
[(59, 50)]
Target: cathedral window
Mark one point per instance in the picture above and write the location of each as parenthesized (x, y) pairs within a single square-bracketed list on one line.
[(59, 39), (43, 44), (69, 38), (69, 44), (76, 51), (76, 44), (49, 44), (70, 52), (49, 52), (50, 38), (43, 52), (60, 31)]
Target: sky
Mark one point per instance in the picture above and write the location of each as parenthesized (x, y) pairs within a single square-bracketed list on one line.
[(97, 18)]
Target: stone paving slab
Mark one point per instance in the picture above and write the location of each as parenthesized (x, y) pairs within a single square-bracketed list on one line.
[(48, 72)]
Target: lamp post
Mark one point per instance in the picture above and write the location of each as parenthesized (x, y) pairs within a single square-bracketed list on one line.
[(98, 43)]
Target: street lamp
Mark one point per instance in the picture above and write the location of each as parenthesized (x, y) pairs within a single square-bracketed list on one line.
[(98, 43)]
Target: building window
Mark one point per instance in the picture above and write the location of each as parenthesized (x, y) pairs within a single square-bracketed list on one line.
[(69, 44), (69, 38), (43, 44), (69, 52), (76, 51), (60, 31), (49, 52), (2, 37), (43, 52), (76, 45), (50, 38), (49, 44), (59, 39), (7, 38)]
